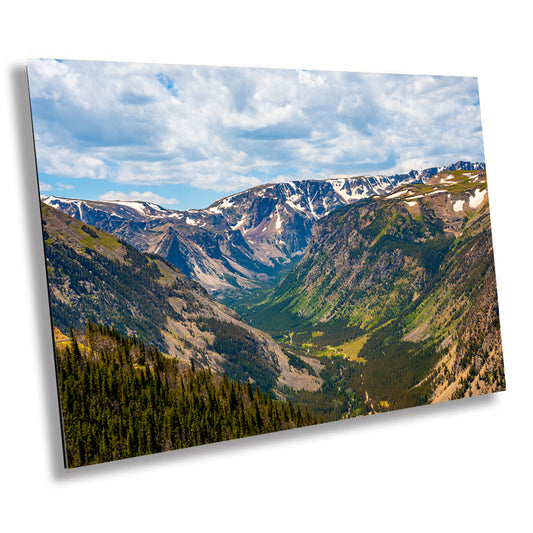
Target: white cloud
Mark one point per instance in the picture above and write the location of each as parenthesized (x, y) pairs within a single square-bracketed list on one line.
[(58, 186), (45, 187), (146, 196), (53, 158), (220, 128)]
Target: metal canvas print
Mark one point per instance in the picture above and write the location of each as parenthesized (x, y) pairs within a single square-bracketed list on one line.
[(237, 251)]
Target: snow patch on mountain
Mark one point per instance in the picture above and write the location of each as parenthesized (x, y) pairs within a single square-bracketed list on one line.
[(239, 224), (475, 201), (226, 204), (448, 180), (458, 206), (298, 207), (279, 224), (156, 207), (396, 194), (338, 188), (52, 199), (311, 208), (137, 206)]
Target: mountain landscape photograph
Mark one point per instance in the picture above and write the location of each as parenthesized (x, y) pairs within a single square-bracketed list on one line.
[(239, 251)]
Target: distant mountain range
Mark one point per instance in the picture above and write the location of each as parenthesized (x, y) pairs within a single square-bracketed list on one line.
[(236, 242), (242, 241)]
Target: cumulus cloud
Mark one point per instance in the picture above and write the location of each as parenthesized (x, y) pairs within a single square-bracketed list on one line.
[(146, 196), (227, 128), (45, 187)]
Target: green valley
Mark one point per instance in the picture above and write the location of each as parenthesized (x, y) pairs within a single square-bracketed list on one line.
[(403, 289)]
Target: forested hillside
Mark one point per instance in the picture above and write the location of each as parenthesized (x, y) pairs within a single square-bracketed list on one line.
[(121, 397), (404, 287)]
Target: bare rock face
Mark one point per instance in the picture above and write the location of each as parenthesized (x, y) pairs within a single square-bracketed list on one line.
[(240, 241)]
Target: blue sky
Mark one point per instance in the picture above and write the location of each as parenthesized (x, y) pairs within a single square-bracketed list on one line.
[(184, 136)]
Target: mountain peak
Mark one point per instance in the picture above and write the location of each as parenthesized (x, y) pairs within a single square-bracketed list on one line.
[(245, 238)]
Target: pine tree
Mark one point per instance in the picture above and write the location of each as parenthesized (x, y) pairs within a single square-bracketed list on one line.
[(113, 408)]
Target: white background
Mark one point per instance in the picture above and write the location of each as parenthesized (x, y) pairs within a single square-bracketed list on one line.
[(463, 466)]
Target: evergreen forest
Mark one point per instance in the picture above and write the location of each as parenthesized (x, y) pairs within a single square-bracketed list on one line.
[(122, 398)]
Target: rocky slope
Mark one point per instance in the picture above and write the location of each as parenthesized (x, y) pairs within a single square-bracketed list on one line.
[(93, 275), (242, 241), (409, 278)]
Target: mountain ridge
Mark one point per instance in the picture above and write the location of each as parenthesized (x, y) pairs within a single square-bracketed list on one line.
[(242, 241)]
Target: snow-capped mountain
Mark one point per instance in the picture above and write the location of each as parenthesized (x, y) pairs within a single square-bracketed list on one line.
[(243, 239)]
